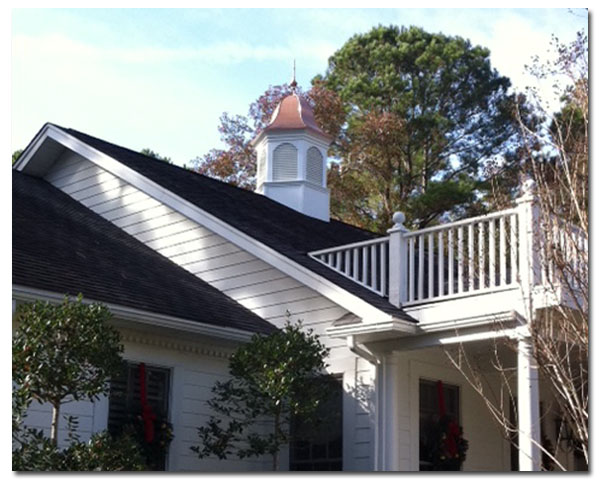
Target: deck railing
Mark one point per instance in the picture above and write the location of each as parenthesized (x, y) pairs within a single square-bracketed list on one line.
[(467, 257), (365, 262), (504, 250)]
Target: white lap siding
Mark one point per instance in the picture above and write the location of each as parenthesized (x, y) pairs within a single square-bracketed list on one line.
[(253, 283)]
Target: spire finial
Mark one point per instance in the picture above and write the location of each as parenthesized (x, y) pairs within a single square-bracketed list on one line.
[(294, 84)]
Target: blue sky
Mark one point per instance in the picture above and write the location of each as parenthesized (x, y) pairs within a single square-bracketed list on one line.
[(161, 78)]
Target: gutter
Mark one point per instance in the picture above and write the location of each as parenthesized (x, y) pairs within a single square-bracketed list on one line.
[(29, 294)]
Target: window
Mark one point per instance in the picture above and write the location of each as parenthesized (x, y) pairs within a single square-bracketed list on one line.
[(314, 166), (285, 162), (318, 447), (429, 416), (125, 409)]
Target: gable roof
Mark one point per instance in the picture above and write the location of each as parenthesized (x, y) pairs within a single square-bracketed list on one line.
[(287, 232), (61, 246)]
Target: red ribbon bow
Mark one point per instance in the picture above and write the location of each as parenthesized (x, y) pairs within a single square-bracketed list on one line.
[(148, 415), (451, 441)]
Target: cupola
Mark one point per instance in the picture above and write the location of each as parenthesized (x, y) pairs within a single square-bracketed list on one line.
[(291, 153)]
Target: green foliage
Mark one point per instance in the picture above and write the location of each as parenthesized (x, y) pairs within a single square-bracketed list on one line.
[(36, 452), (64, 351), (273, 377), (237, 163), (155, 450), (16, 155), (422, 110), (155, 155), (105, 453), (445, 446), (101, 453)]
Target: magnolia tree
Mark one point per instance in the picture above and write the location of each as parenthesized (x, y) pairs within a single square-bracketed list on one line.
[(274, 378), (65, 352)]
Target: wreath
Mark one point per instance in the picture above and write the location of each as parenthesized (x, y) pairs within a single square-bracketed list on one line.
[(154, 434), (445, 448)]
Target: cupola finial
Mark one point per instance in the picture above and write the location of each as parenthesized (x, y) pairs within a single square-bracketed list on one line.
[(294, 84)]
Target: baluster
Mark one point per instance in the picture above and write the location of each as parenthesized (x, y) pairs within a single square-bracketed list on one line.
[(382, 267), (411, 268), (374, 267), (420, 280), (338, 261), (440, 263), (347, 262), (502, 251), (450, 261), (330, 259), (514, 247), (365, 261), (481, 260), (430, 256), (355, 264), (460, 258), (471, 259), (492, 253)]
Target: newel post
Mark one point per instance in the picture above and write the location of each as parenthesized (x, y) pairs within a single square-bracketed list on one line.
[(529, 246), (398, 270)]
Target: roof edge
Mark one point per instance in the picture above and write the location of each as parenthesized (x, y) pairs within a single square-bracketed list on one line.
[(351, 302), (29, 294)]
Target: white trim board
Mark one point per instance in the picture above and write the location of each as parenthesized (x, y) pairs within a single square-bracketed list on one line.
[(312, 280)]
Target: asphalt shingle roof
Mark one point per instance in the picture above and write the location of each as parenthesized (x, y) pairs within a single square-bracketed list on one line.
[(287, 231), (61, 246)]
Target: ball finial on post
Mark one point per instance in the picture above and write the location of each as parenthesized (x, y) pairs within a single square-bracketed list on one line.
[(399, 219)]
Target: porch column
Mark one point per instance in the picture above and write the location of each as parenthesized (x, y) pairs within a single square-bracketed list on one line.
[(528, 407), (390, 424)]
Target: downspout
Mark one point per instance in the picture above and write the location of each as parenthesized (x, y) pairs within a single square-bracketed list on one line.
[(362, 352)]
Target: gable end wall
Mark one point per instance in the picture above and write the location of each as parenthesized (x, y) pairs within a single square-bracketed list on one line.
[(260, 287)]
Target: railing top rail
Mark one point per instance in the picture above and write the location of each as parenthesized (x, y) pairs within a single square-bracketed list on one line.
[(468, 221), (364, 243)]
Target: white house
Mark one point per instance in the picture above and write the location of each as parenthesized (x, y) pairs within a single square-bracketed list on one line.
[(191, 267)]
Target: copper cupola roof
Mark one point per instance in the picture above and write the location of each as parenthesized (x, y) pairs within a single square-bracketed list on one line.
[(294, 112)]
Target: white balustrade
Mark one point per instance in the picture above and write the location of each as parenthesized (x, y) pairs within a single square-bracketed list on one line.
[(366, 263), (478, 255), (459, 272)]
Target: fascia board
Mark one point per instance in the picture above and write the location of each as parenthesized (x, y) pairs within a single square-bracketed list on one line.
[(488, 321), (32, 148), (328, 289), (364, 328), (28, 294)]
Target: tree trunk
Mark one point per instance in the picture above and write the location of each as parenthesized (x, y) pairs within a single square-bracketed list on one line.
[(276, 452), (54, 427)]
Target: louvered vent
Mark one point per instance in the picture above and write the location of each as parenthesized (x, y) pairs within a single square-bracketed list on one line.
[(261, 175), (285, 162), (314, 166)]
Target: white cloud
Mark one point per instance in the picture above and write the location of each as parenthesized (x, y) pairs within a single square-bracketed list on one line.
[(61, 46)]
